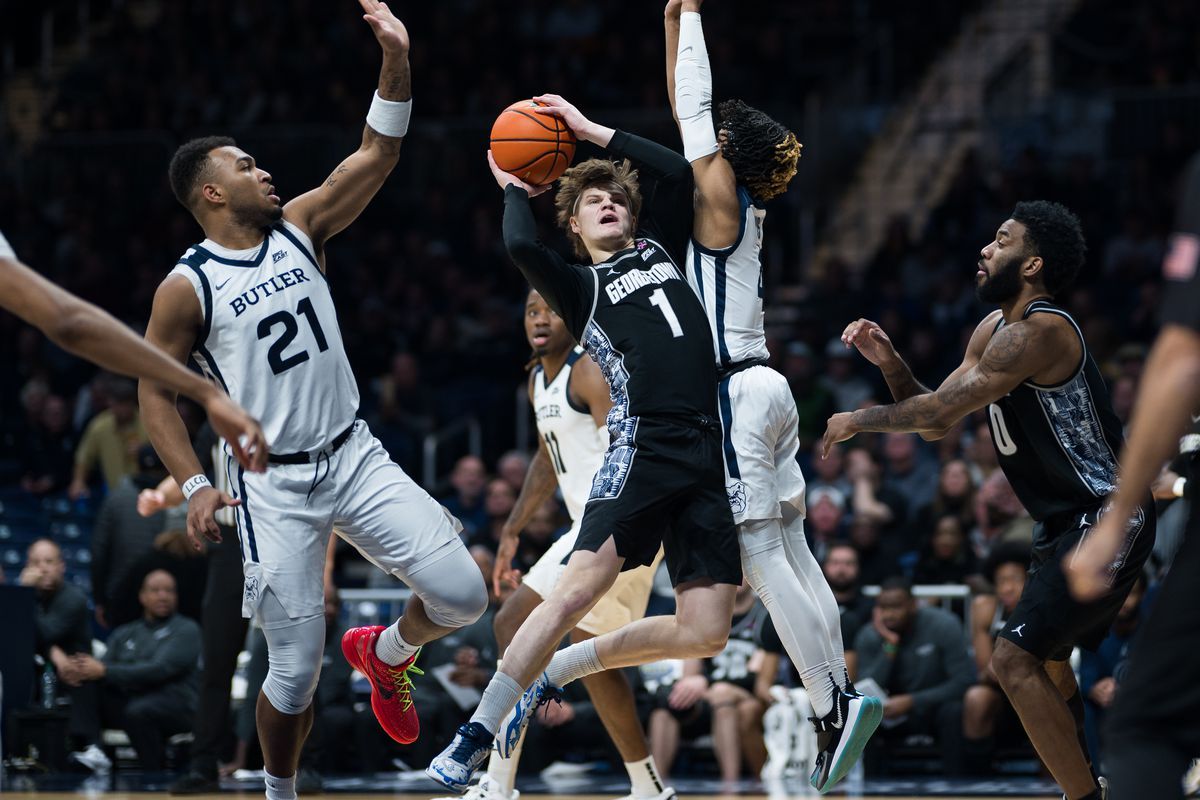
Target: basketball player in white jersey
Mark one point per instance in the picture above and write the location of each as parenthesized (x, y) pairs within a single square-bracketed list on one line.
[(251, 305), (85, 330), (571, 400), (750, 161)]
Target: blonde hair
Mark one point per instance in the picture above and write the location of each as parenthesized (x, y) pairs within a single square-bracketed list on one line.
[(617, 178)]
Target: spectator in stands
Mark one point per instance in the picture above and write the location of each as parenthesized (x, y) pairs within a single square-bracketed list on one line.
[(111, 441), (999, 515), (812, 398), (122, 536), (61, 621), (548, 523), (879, 528), (1101, 672), (987, 713), (170, 551), (980, 454), (947, 555), (916, 655), (841, 573), (847, 388), (825, 522), (468, 479), (716, 695), (512, 467), (146, 683), (498, 501), (908, 472), (829, 471), (955, 495), (48, 450)]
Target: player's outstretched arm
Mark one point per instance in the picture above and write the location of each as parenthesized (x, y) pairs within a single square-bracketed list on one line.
[(174, 324), (327, 210), (1013, 354), (92, 333), (568, 290), (1170, 392), (689, 83)]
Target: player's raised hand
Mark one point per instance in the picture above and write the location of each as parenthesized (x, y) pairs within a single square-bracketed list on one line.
[(201, 522), (556, 106), (838, 429), (506, 178), (390, 31), (871, 341), (244, 434)]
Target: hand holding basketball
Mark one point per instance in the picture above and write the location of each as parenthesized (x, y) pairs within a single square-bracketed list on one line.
[(533, 148), (505, 178), (553, 105)]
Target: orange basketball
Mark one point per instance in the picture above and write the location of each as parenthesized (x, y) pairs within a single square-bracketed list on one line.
[(535, 147)]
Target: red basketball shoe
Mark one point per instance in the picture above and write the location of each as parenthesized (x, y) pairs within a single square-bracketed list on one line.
[(391, 686)]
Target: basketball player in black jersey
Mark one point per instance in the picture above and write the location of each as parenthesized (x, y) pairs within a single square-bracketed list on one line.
[(1056, 437), (89, 332), (662, 480), (1154, 727)]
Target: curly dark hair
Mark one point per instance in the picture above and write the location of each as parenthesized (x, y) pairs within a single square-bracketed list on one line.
[(762, 152), (1006, 553), (190, 166), (1053, 232)]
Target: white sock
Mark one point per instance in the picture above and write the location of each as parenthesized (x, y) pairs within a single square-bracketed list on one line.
[(391, 648), (820, 681), (644, 777), (499, 698), (280, 788), (574, 662)]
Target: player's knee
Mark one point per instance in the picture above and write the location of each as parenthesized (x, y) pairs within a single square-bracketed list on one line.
[(290, 689), (1011, 664), (459, 604), (708, 643)]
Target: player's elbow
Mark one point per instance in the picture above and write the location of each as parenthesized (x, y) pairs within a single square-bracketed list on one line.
[(71, 326)]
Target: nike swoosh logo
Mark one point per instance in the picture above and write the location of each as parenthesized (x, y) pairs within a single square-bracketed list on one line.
[(221, 286), (684, 50)]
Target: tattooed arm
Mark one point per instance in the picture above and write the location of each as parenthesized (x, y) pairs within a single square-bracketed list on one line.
[(1013, 354), (332, 206), (875, 346)]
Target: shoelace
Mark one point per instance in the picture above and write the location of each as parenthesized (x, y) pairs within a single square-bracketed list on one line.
[(467, 746), (402, 683)]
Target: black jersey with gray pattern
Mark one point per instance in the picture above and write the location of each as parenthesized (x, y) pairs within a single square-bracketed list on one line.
[(1058, 445)]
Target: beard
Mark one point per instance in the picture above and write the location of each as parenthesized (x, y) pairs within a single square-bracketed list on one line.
[(1004, 284), (260, 218)]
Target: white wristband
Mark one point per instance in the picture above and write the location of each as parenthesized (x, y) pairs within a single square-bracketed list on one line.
[(194, 484), (6, 250), (1178, 487), (389, 117)]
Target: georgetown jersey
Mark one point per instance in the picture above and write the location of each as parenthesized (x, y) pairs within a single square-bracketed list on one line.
[(576, 446), (270, 336), (649, 335), (1058, 445), (729, 285)]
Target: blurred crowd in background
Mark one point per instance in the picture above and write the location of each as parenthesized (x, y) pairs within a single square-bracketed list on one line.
[(430, 307)]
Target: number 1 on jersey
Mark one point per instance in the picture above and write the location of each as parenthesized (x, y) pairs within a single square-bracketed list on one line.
[(659, 298)]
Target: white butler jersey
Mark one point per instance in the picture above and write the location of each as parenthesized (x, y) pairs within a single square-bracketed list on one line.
[(729, 285), (270, 336), (576, 446)]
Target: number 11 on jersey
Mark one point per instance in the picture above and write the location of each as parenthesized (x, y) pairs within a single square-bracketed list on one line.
[(659, 298)]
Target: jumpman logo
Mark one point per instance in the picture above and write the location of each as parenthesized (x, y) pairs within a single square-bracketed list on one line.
[(1017, 630)]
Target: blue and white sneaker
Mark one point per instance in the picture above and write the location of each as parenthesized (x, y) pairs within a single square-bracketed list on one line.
[(457, 764), (842, 734), (513, 726)]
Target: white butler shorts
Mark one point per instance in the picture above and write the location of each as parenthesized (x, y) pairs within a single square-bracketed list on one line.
[(759, 429), (624, 602), (288, 514)]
